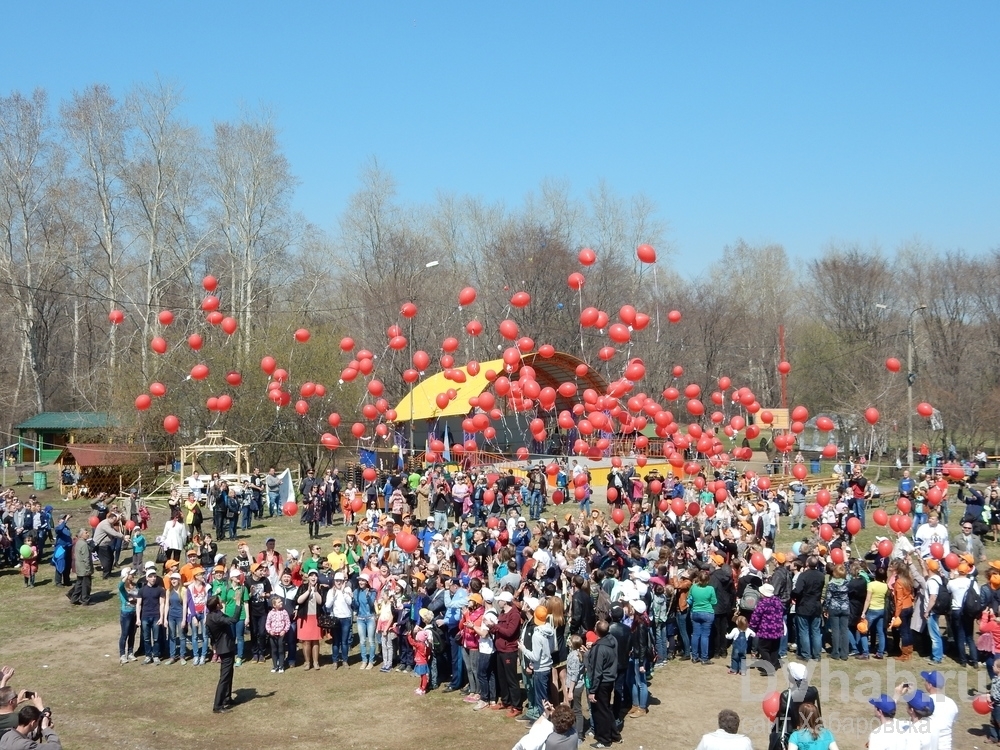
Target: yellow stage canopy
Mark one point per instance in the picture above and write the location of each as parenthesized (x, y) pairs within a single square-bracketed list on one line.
[(424, 394)]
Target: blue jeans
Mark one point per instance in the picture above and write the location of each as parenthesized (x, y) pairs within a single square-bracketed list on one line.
[(126, 642), (585, 506), (232, 528), (366, 638), (272, 503), (858, 508), (175, 637), (199, 637), (964, 642), (540, 685), (536, 505), (245, 517), (937, 643), (457, 664), (918, 519), (682, 619), (151, 637), (702, 627), (640, 690), (810, 636), (238, 630), (291, 643), (662, 630), (440, 521), (736, 660), (341, 639), (876, 620)]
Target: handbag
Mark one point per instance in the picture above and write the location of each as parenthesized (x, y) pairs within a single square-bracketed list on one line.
[(325, 620), (161, 555)]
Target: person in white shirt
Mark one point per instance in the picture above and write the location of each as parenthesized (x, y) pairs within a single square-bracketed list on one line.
[(945, 709), (961, 626), (921, 708), (930, 533), (727, 736), (892, 733)]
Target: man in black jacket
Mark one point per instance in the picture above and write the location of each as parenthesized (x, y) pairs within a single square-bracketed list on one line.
[(602, 671), (808, 596), (721, 579), (781, 579), (221, 634), (582, 614), (622, 635)]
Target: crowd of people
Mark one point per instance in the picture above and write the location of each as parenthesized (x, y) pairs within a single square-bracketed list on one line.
[(524, 598)]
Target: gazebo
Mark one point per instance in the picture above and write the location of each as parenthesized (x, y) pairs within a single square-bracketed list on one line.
[(215, 441), (104, 467)]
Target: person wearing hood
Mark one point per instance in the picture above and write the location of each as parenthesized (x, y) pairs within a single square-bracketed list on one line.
[(539, 655), (62, 554)]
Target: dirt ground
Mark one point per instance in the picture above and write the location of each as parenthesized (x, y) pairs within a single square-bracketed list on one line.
[(69, 655)]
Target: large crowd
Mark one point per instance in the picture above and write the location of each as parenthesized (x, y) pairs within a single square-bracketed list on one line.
[(521, 596)]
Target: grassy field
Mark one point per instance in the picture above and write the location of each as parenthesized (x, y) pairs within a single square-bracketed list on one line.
[(69, 654)]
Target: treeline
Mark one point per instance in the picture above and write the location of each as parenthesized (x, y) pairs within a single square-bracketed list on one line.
[(111, 203)]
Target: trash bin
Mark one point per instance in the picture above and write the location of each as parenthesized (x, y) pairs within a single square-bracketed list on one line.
[(41, 480), (814, 466), (176, 466)]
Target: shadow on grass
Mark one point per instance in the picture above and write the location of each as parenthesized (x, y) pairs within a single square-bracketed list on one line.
[(246, 694)]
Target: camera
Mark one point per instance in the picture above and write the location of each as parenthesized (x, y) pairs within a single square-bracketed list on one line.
[(29, 694)]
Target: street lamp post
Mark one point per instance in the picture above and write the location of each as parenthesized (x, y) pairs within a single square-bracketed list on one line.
[(430, 264), (910, 377)]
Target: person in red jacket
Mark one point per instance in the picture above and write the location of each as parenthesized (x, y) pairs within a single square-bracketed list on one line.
[(505, 634)]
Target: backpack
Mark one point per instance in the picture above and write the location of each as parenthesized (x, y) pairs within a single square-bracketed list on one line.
[(972, 604), (602, 606), (942, 605), (748, 601)]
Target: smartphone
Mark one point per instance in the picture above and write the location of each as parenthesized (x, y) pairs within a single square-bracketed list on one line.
[(29, 694)]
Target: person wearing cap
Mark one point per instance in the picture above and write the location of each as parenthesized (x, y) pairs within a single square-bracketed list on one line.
[(186, 569), (175, 617), (538, 654), (640, 657), (196, 596), (340, 604), (363, 606), (151, 615), (309, 601), (920, 707), (128, 595), (891, 733), (799, 691), (942, 718)]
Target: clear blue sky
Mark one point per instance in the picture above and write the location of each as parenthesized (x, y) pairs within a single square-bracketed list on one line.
[(798, 123)]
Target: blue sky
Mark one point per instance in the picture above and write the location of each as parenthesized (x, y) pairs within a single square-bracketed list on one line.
[(798, 123)]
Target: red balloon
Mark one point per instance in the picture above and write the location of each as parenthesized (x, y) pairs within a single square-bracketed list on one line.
[(346, 344), (116, 317), (199, 372), (871, 415), (826, 532), (508, 329), (952, 561), (646, 253), (557, 497), (171, 424), (695, 407), (892, 364), (407, 542), (823, 498), (824, 424), (467, 296), (450, 344), (357, 429), (576, 281), (408, 310), (758, 561), (302, 335), (587, 257), (209, 283), (618, 516), (829, 450), (982, 704), (766, 417), (210, 303), (520, 299), (800, 414), (799, 471), (784, 368), (674, 316), (937, 550), (880, 517), (619, 333), (158, 389), (290, 508), (334, 421), (158, 345), (885, 548), (770, 705), (214, 317), (268, 365), (94, 520), (229, 326), (165, 317), (924, 409), (853, 526), (903, 505), (224, 402), (235, 379), (142, 402), (814, 510)]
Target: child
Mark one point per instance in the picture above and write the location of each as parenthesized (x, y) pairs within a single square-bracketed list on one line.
[(277, 626), (138, 547), (420, 650), (29, 564), (740, 636), (576, 680), (384, 623), (372, 514), (346, 502)]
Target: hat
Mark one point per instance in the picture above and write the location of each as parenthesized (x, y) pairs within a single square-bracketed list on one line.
[(884, 703), (150, 572), (934, 679), (530, 603), (921, 701), (797, 671), (192, 552), (199, 571), (968, 558), (505, 596), (126, 572), (437, 538), (541, 614), (338, 543), (338, 576), (488, 595), (219, 569), (426, 615), (149, 564), (591, 637), (419, 576), (292, 553), (766, 590), (176, 576), (269, 540), (638, 606), (171, 564), (254, 567), (933, 566), (430, 519), (219, 557), (364, 577), (235, 573), (643, 575), (718, 560), (964, 569), (476, 598), (779, 557)]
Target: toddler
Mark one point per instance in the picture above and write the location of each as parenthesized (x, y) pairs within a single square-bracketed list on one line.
[(740, 636), (277, 626)]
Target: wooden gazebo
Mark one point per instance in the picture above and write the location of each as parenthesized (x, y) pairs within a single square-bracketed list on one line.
[(214, 442), (105, 467)]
